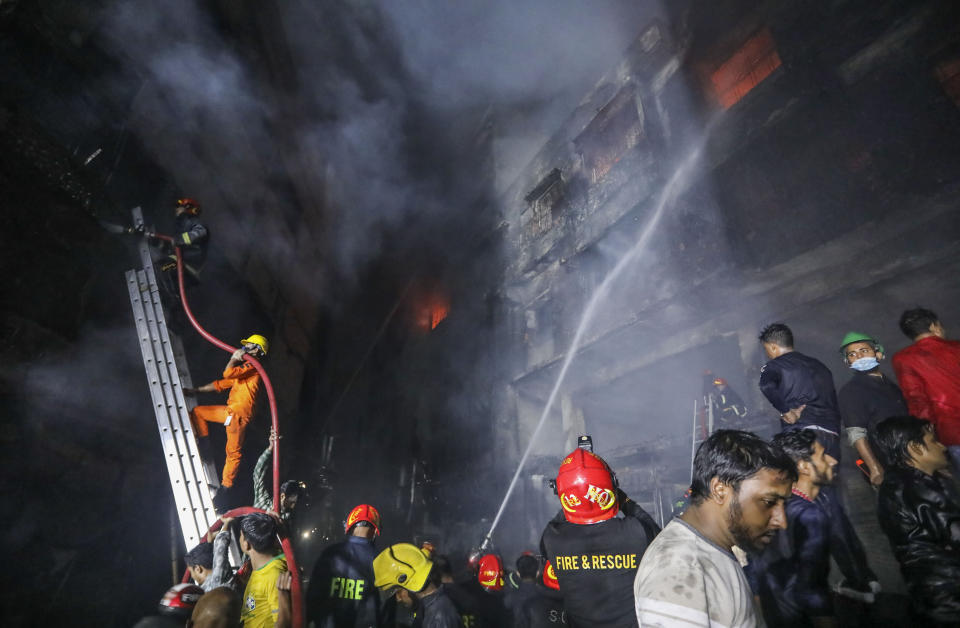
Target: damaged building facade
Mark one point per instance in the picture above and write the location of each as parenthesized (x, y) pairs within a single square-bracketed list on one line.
[(823, 198)]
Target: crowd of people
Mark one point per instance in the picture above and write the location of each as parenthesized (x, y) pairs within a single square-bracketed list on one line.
[(753, 546)]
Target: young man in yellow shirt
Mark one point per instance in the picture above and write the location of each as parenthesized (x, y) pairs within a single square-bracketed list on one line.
[(266, 599)]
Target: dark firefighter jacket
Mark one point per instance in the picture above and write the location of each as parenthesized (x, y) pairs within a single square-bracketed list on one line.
[(437, 611), (920, 514), (543, 610), (478, 608), (792, 380), (341, 590), (596, 564), (730, 405), (516, 598), (192, 237)]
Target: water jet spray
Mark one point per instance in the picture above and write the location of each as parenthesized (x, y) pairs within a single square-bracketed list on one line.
[(670, 191)]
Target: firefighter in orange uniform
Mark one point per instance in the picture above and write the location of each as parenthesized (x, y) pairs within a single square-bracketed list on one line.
[(243, 381)]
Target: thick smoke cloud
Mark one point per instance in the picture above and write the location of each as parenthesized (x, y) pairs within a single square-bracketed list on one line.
[(357, 101), (367, 112)]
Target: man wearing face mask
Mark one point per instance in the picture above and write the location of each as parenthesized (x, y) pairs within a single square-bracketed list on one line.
[(868, 398)]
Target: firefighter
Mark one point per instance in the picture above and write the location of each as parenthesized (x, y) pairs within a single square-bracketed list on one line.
[(406, 571), (465, 593), (342, 594), (545, 608), (730, 406), (518, 595), (243, 381), (595, 552), (491, 607), (192, 237)]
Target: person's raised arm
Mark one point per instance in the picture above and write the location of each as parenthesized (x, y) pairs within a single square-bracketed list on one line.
[(221, 571), (261, 495), (631, 508)]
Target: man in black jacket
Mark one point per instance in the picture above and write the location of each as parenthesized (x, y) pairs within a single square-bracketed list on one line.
[(794, 569), (801, 389), (342, 592), (919, 511), (595, 553)]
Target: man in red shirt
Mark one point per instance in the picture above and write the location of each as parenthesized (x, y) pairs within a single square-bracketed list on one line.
[(929, 375), (243, 382)]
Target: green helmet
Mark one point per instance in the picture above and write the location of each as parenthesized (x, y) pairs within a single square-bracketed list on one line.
[(855, 336)]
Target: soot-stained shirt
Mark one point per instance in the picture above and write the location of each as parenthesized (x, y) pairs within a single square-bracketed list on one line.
[(595, 565), (686, 580)]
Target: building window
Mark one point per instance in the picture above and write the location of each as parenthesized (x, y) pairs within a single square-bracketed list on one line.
[(617, 128), (544, 201), (749, 66), (948, 73)]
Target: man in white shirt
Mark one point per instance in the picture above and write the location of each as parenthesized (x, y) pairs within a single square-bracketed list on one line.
[(689, 575)]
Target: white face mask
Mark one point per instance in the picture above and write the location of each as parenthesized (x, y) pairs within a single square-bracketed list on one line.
[(865, 364)]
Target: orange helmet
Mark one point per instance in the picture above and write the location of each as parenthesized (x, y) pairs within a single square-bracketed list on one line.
[(189, 205), (586, 488), (363, 512), (719, 382), (550, 577), (491, 572)]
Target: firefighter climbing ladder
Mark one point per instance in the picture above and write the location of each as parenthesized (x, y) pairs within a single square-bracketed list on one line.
[(167, 374)]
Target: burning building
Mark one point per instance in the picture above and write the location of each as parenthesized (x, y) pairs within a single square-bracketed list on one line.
[(423, 252)]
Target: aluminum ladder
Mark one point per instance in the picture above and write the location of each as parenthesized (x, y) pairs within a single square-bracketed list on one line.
[(164, 361), (702, 425)]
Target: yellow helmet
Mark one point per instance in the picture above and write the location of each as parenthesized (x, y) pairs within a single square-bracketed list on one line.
[(401, 565), (260, 341)]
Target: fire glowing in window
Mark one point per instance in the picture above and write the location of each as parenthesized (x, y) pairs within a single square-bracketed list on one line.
[(431, 311), (438, 312), (747, 68)]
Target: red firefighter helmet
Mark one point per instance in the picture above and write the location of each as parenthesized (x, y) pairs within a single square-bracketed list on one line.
[(491, 572), (179, 600), (363, 512), (586, 488), (189, 205), (550, 577), (719, 382)]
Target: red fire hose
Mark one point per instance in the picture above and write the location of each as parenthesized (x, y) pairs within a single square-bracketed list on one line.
[(295, 588)]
